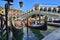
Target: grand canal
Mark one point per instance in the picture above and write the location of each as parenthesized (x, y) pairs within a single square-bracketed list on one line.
[(33, 34), (27, 33)]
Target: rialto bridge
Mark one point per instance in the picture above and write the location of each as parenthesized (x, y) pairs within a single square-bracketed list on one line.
[(52, 12)]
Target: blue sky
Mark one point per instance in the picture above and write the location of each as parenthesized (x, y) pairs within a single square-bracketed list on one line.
[(27, 4)]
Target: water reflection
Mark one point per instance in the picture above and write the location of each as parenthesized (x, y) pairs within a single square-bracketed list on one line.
[(33, 34), (18, 35), (37, 33)]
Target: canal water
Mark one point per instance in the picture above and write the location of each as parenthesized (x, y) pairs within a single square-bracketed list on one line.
[(33, 34)]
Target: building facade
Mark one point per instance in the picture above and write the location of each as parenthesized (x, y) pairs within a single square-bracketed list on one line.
[(13, 14)]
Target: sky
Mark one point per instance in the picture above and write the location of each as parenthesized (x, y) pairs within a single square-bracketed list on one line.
[(27, 4)]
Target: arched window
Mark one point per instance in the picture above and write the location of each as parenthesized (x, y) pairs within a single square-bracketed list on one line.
[(49, 9), (54, 10), (33, 16), (38, 15), (2, 11), (30, 11), (41, 9), (59, 10), (36, 8), (45, 9)]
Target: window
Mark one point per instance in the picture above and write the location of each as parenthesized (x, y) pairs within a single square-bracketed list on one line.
[(45, 9), (49, 9), (59, 10), (2, 11), (38, 15), (41, 9), (33, 16), (15, 11), (54, 10), (36, 8), (31, 10), (2, 8)]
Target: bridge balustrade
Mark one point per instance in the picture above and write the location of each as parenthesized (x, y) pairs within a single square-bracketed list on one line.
[(54, 10)]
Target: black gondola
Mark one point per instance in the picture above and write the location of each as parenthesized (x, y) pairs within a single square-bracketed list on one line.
[(38, 26), (17, 27)]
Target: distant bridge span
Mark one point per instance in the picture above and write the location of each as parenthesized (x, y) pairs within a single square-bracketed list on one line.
[(49, 11), (48, 14)]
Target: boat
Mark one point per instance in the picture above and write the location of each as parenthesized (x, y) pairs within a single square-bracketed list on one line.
[(49, 20), (56, 21), (17, 26), (37, 25), (53, 24)]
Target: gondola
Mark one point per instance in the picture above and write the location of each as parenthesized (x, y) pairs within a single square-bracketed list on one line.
[(37, 26), (36, 21), (17, 27)]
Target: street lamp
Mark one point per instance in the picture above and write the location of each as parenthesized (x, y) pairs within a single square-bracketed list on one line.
[(21, 3), (9, 0)]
